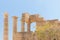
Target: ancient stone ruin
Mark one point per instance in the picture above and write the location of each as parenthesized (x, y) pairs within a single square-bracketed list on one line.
[(29, 34)]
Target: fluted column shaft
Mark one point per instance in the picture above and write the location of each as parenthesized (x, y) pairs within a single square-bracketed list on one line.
[(5, 26), (28, 25), (22, 28), (14, 27)]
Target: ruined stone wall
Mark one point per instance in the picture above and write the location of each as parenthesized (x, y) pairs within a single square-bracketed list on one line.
[(26, 36), (31, 35), (23, 35)]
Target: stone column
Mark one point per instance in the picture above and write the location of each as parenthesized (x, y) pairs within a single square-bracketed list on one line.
[(23, 23), (22, 28), (14, 27), (28, 26), (6, 26)]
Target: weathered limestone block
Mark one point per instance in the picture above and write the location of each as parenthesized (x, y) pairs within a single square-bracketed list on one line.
[(23, 36), (25, 17)]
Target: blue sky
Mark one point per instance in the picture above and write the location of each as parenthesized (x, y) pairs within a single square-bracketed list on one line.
[(49, 9)]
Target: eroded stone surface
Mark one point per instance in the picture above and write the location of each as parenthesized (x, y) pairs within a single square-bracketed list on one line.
[(6, 26), (26, 18)]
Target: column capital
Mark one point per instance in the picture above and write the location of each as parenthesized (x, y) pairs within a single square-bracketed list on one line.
[(5, 14), (15, 17)]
